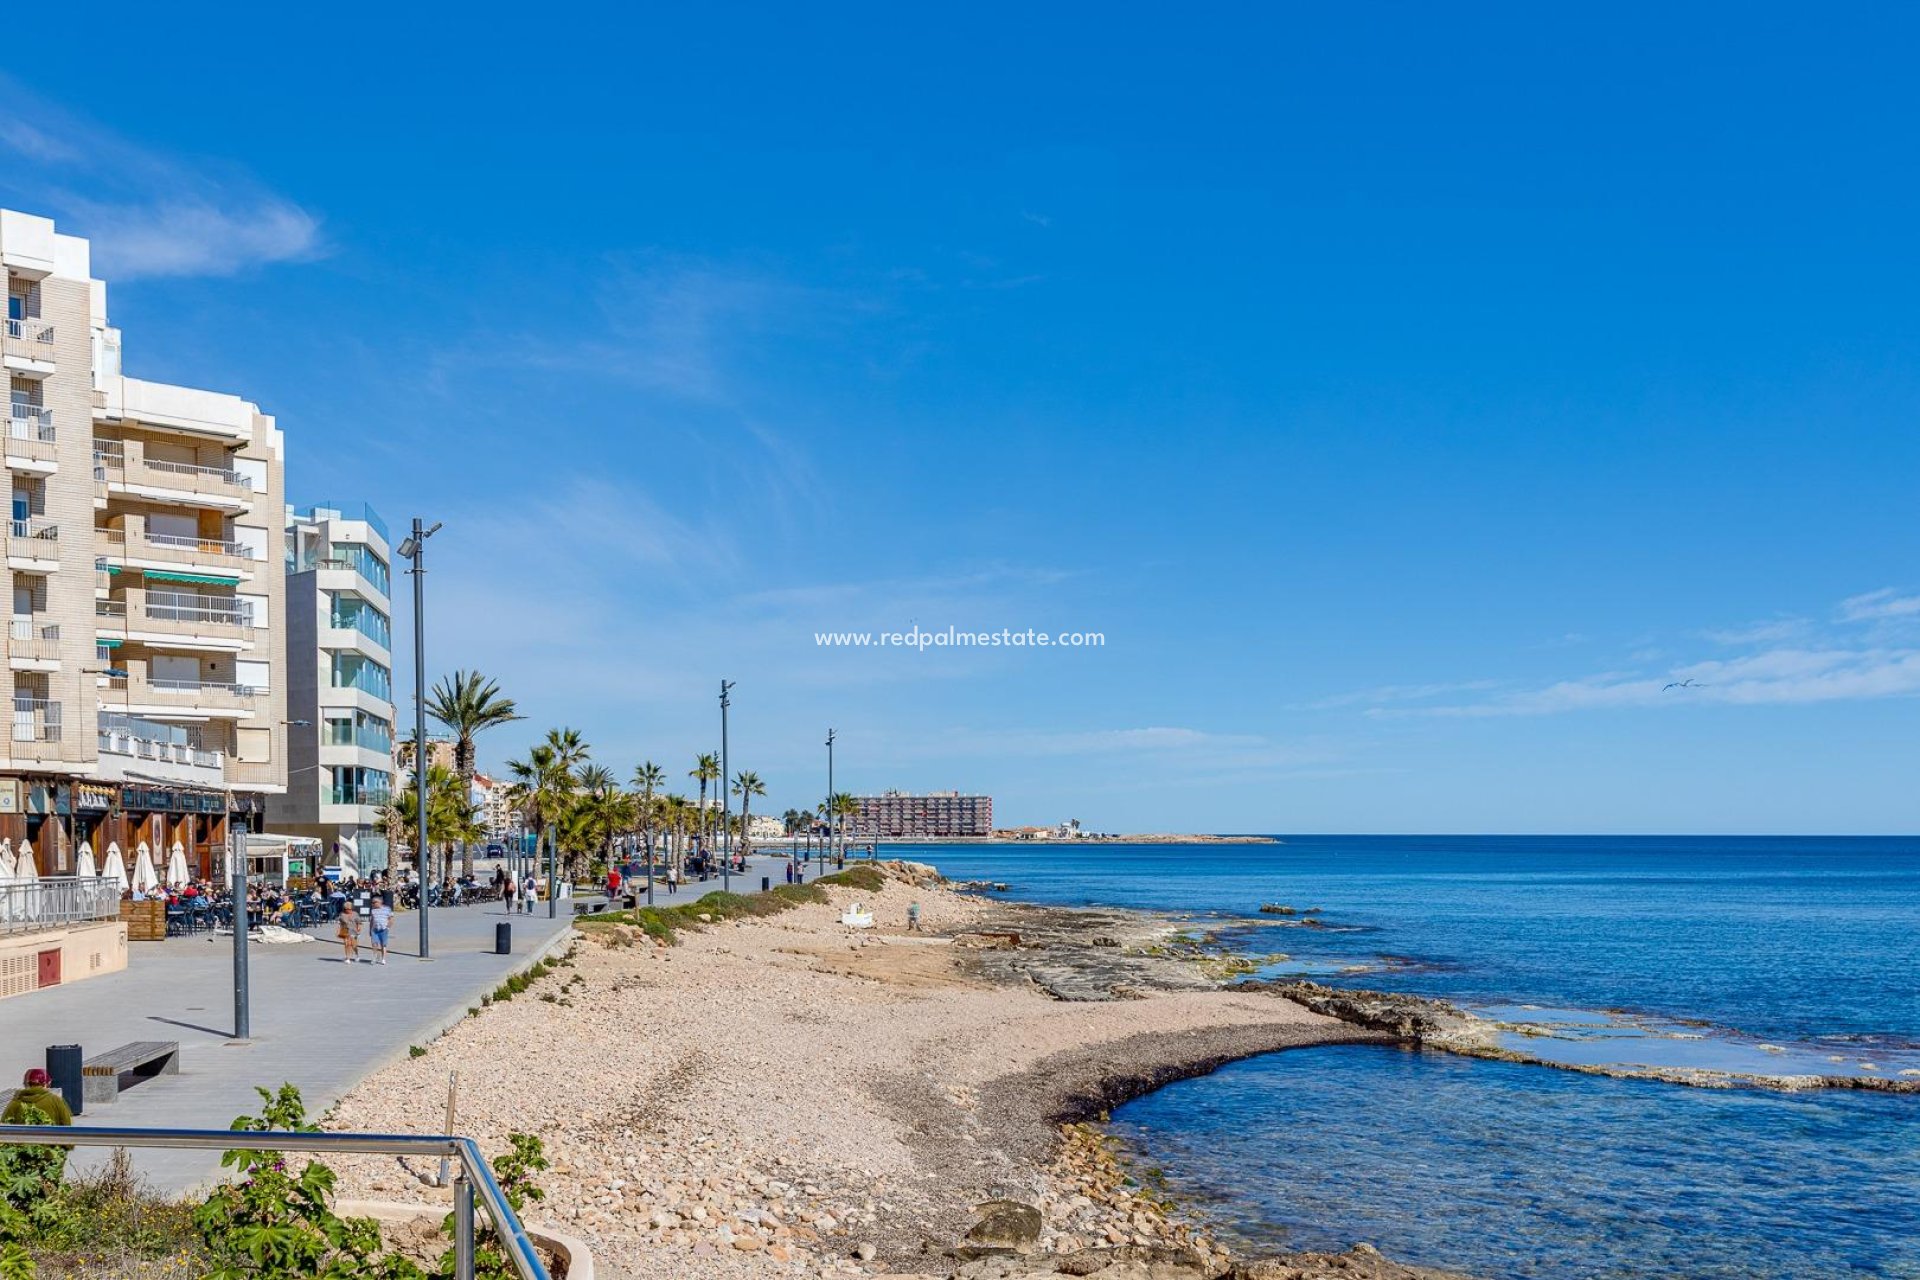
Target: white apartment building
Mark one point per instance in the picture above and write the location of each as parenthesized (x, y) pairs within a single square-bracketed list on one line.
[(493, 797), (339, 627), (145, 652)]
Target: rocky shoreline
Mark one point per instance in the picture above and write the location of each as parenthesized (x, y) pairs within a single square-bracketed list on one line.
[(1440, 1024), (782, 1096)]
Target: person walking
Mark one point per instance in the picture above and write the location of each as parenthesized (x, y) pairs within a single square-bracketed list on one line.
[(529, 893), (913, 917), (349, 933), (673, 881), (381, 919), (511, 891)]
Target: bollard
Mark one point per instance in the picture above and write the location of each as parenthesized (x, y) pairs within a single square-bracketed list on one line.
[(503, 938), (63, 1064), (766, 883)]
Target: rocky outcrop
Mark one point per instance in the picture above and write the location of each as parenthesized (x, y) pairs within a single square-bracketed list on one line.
[(1164, 1262), (1416, 1018)]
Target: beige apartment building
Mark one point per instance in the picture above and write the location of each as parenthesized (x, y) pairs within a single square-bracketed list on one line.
[(145, 548)]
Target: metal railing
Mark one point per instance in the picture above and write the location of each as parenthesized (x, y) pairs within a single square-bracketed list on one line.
[(185, 606), (224, 475), (35, 719), (202, 686), (475, 1183), (30, 422), (29, 330), (34, 527), (28, 906), (28, 629), (191, 542)]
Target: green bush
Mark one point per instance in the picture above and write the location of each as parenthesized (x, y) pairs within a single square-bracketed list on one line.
[(514, 1170), (664, 923), (276, 1225)]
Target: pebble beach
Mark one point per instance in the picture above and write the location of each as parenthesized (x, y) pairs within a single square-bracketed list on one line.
[(785, 1096)]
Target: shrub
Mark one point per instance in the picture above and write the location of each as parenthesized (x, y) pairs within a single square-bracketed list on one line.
[(275, 1225), (514, 1170)]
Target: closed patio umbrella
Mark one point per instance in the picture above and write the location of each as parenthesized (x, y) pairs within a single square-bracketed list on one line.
[(23, 867), (116, 868), (177, 876), (144, 879), (85, 868), (6, 860)]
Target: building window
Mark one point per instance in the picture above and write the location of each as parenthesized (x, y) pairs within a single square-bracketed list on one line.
[(361, 729), (361, 559), (360, 786), (352, 671), (351, 613)]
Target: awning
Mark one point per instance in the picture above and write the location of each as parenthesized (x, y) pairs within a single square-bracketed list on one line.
[(108, 642), (203, 578)]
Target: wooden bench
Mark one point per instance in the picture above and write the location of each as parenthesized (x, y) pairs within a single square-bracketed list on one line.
[(104, 1075)]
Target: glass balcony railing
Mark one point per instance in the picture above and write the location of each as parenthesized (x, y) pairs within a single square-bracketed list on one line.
[(357, 615)]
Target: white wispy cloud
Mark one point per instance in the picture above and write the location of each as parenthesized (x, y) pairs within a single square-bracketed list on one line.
[(1385, 694), (1793, 662), (1773, 631), (1879, 605), (146, 212)]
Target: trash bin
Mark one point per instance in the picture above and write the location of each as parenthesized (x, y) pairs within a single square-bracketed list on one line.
[(503, 938), (766, 883), (63, 1065)]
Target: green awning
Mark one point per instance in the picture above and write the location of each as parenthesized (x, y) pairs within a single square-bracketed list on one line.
[(204, 578), (110, 642)]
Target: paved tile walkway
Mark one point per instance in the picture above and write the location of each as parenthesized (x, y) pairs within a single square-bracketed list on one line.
[(317, 1022)]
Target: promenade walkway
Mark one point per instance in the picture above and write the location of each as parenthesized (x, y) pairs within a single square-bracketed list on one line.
[(317, 1022)]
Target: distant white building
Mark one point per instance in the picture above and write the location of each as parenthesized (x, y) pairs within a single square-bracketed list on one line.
[(492, 798), (764, 826)]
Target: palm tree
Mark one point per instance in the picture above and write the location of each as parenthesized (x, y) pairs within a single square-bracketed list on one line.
[(543, 788), (594, 779), (844, 807), (746, 785), (468, 704), (706, 768), (568, 748), (648, 778), (450, 816), (673, 812)]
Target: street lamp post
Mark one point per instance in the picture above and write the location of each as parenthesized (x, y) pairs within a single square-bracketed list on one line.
[(414, 548), (237, 877), (833, 812), (726, 812)]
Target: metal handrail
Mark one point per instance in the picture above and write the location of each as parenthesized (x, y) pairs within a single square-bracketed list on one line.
[(224, 474), (476, 1180)]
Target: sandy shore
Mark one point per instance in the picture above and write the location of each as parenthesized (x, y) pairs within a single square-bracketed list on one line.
[(781, 1096)]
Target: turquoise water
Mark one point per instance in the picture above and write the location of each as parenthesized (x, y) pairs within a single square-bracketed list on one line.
[(1736, 954)]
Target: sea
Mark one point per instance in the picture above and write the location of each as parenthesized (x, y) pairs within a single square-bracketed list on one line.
[(1734, 958)]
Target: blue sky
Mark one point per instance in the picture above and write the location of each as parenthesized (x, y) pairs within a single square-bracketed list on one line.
[(1408, 397)]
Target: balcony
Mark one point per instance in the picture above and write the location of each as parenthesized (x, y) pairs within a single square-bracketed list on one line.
[(122, 748), (176, 619), (33, 645), (30, 441), (122, 467), (33, 544), (138, 546), (26, 347), (36, 728), (136, 693), (356, 796)]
